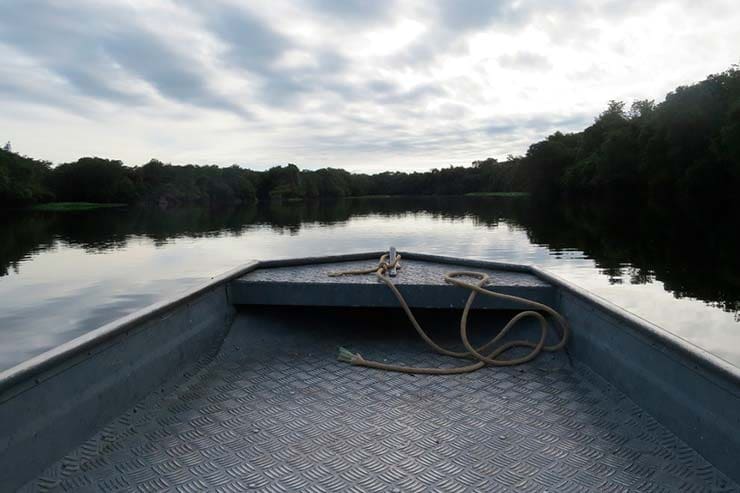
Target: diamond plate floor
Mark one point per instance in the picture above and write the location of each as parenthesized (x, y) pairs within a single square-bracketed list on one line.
[(275, 412)]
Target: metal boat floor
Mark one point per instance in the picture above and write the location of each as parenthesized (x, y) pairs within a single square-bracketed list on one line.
[(274, 411)]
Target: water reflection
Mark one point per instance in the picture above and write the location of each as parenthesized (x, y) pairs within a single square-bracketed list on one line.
[(66, 273)]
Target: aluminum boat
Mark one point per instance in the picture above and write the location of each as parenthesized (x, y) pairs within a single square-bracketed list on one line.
[(235, 386)]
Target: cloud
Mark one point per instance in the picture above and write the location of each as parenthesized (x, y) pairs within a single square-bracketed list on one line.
[(524, 60), (465, 15), (252, 46), (250, 43), (98, 49), (360, 11), (350, 83)]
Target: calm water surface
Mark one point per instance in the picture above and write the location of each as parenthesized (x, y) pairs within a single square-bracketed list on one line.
[(62, 274)]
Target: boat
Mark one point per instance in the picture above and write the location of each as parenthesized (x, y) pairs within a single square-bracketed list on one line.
[(236, 386)]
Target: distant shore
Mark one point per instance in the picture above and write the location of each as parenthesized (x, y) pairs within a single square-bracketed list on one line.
[(72, 206), (472, 194), (86, 206)]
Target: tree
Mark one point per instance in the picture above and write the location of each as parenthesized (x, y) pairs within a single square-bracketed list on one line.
[(546, 162), (22, 180), (641, 109), (93, 179), (7, 147)]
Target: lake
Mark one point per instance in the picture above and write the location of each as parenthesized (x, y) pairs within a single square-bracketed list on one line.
[(63, 274)]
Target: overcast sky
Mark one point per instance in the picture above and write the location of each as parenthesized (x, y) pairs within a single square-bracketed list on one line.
[(364, 85)]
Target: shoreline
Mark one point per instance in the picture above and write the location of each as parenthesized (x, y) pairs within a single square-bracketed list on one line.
[(87, 206)]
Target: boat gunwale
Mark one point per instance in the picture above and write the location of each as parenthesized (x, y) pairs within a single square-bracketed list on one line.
[(667, 341)]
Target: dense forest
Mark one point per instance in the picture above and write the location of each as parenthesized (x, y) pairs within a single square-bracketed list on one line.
[(686, 146)]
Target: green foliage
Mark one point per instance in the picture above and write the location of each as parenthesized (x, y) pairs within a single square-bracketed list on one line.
[(92, 179), (686, 146), (22, 179), (546, 162), (282, 182)]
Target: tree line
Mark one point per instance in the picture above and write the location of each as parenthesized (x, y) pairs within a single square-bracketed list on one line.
[(687, 145), (25, 181)]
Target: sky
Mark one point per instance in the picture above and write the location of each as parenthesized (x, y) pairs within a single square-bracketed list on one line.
[(362, 85)]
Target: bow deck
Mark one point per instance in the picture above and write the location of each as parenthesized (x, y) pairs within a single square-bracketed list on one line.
[(421, 283)]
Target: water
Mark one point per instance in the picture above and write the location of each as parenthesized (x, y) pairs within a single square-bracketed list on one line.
[(62, 274)]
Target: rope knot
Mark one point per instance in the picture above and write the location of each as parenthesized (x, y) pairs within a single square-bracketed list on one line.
[(380, 269)]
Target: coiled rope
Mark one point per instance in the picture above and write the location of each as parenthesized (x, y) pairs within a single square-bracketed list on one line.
[(484, 354)]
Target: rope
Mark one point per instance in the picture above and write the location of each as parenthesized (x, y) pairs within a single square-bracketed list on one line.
[(483, 355)]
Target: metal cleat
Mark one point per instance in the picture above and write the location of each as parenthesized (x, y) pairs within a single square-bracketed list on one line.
[(392, 261)]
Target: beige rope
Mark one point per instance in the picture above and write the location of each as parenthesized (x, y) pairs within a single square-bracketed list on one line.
[(481, 353)]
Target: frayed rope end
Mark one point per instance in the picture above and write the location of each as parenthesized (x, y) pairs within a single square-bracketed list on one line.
[(345, 355)]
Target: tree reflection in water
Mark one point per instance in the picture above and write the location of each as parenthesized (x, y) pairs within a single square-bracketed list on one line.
[(693, 252)]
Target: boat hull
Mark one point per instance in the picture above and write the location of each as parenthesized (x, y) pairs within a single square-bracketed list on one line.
[(59, 412)]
